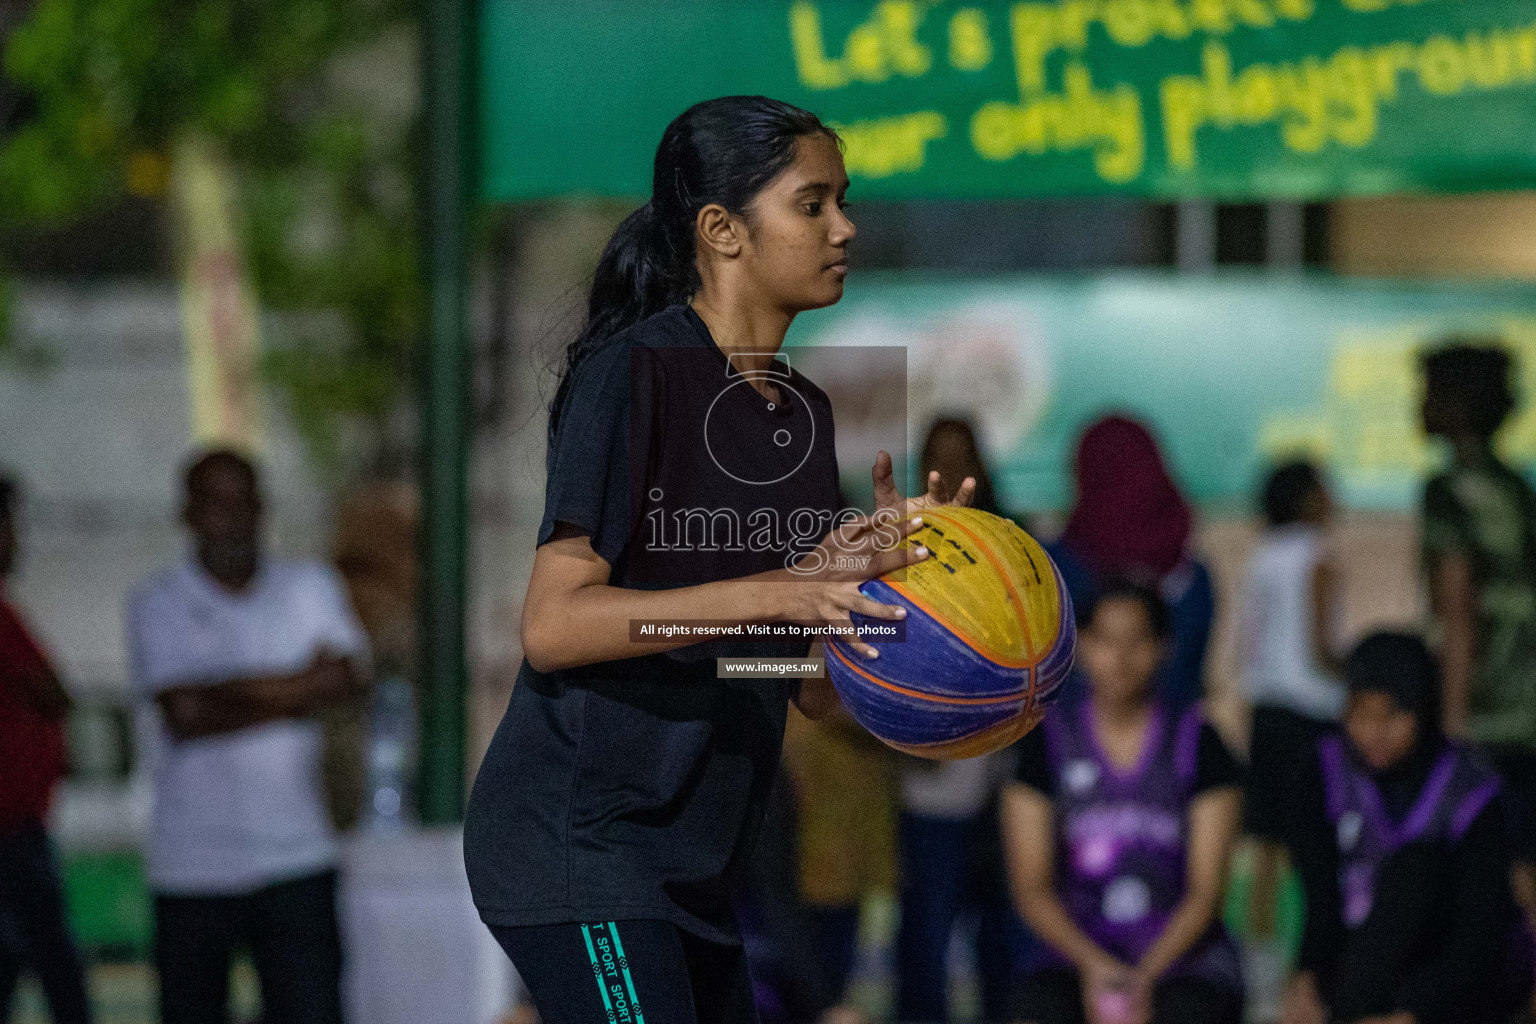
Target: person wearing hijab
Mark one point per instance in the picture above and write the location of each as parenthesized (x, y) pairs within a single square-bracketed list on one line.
[(1403, 853), (1131, 522)]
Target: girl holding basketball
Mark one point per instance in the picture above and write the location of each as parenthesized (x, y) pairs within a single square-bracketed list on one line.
[(625, 784), (1118, 833)]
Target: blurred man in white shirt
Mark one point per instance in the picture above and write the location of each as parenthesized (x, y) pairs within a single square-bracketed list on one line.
[(239, 652)]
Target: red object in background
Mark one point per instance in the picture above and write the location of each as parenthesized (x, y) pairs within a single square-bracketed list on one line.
[(31, 745), (1129, 514)]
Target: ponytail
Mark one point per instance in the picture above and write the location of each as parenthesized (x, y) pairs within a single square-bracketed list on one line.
[(720, 151), (636, 277)]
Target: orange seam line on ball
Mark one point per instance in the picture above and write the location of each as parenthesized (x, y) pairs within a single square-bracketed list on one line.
[(1031, 660), (1002, 570), (937, 698), (959, 634), (978, 742)]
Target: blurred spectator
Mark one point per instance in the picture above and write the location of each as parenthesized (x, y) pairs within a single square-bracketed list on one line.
[(1403, 851), (1130, 521), (792, 980), (951, 448), (1480, 559), (951, 857), (1119, 833), (239, 652), (34, 931), (1288, 622), (845, 786)]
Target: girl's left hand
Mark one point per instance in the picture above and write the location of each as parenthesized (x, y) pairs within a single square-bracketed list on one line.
[(887, 496)]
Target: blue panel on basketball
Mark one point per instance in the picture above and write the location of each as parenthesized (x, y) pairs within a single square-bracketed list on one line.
[(989, 641)]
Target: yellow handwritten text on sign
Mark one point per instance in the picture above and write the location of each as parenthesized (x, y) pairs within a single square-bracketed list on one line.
[(883, 44), (1080, 117), (882, 146), (970, 41), (1040, 29), (1336, 99), (1315, 99)]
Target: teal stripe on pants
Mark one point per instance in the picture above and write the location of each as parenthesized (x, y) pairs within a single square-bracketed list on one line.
[(597, 971), (629, 981)]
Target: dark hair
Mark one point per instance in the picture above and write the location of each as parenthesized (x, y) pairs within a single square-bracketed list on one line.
[(985, 497), (1401, 666), (10, 495), (211, 459), (1286, 492), (721, 151), (1471, 375), (1159, 618)]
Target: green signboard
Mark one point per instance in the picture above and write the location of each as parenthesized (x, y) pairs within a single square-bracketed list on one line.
[(947, 98), (1231, 372)]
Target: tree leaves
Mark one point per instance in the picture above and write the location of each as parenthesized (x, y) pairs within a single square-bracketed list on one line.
[(329, 200)]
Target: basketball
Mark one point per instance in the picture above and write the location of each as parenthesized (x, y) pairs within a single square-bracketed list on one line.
[(989, 640)]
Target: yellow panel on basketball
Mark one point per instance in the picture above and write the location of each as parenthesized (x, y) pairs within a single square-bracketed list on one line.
[(987, 581)]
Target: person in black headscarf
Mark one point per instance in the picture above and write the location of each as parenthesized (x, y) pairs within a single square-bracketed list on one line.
[(1401, 845)]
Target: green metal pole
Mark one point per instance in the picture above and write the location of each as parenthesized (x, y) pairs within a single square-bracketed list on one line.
[(445, 76)]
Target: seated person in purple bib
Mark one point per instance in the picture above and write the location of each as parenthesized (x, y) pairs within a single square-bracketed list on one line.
[(1118, 833), (1403, 852)]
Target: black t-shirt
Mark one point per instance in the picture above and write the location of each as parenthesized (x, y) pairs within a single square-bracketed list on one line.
[(634, 788), (1214, 764)]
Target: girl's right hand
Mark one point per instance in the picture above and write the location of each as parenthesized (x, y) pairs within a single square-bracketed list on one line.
[(824, 589)]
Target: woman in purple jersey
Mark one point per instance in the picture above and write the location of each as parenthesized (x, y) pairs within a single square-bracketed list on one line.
[(1118, 833), (1400, 842)]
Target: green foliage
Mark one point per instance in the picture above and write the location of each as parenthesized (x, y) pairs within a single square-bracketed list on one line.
[(328, 182)]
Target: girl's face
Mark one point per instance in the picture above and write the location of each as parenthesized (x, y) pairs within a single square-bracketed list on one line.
[(1119, 650), (1380, 730), (796, 247)]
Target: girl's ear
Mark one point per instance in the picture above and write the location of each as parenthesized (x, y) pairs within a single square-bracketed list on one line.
[(719, 231)]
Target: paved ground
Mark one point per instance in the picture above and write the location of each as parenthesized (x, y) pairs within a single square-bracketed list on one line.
[(125, 994)]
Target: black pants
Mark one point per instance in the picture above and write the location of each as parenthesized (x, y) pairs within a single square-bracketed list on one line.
[(804, 953), (947, 866), (1283, 744), (1056, 997), (629, 972), (1518, 770), (291, 932), (34, 932), (1392, 943)]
